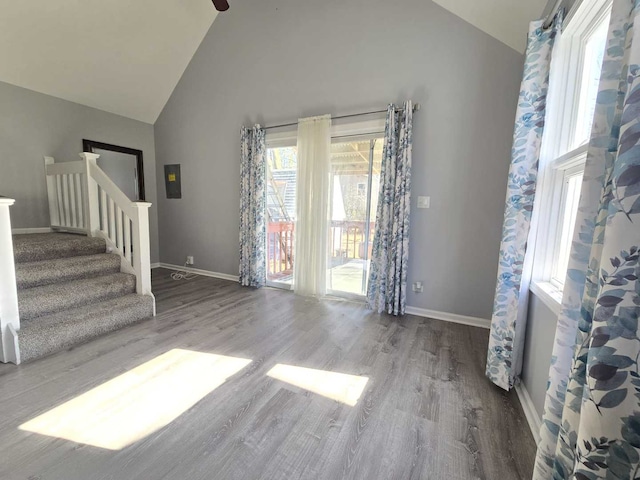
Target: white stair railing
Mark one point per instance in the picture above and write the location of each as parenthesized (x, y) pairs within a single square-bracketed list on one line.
[(82, 198), (9, 317), (67, 194)]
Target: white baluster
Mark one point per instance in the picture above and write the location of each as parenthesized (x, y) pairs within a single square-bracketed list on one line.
[(60, 202), (103, 209), (90, 193), (127, 238), (72, 200), (120, 242), (9, 316), (112, 220), (65, 199), (81, 219)]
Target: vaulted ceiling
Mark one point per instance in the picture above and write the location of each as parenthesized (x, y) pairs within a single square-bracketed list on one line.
[(126, 56), (122, 56), (506, 20)]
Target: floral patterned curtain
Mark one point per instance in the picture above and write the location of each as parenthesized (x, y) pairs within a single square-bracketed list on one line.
[(504, 358), (591, 420), (252, 207), (387, 289)]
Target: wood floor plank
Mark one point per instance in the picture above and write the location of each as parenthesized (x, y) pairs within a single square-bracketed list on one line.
[(426, 412)]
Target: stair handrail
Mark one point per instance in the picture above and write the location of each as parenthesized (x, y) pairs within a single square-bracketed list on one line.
[(9, 314), (137, 212), (83, 198)]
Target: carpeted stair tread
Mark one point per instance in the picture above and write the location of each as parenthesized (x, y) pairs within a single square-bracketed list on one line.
[(51, 333), (47, 246), (39, 301), (47, 272)]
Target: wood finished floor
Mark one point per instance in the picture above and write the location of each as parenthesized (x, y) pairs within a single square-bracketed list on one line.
[(427, 411)]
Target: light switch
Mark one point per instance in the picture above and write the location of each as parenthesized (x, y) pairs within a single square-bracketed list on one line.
[(424, 202)]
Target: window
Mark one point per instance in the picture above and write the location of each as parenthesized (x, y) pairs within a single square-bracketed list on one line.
[(571, 182), (594, 46), (575, 75)]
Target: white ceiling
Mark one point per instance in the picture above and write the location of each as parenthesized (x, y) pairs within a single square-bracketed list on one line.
[(122, 56), (506, 20)]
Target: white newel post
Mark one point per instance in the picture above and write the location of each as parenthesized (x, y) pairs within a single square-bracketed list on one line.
[(9, 316), (90, 195), (141, 250)]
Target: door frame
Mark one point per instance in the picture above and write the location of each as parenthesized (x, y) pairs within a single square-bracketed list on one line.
[(342, 131), (89, 146), (372, 137)]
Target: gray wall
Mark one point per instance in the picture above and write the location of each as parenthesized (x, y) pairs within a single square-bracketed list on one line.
[(540, 335), (276, 61), (121, 168), (33, 125)]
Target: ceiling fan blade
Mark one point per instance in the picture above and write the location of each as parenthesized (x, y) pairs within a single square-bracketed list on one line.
[(221, 5)]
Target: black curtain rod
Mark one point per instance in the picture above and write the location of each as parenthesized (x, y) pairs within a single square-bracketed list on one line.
[(416, 107)]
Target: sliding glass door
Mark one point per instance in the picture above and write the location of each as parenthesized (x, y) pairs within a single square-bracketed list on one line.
[(355, 179), (355, 173)]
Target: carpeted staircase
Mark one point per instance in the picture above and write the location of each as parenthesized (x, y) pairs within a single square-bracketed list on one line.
[(71, 290)]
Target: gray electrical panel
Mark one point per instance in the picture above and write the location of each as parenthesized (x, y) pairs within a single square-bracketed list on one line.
[(172, 181)]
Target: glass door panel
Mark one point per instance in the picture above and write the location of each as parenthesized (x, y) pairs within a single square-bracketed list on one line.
[(281, 214), (355, 179)]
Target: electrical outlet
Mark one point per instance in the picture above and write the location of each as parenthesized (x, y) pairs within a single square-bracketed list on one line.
[(189, 259), (424, 202), (418, 287)]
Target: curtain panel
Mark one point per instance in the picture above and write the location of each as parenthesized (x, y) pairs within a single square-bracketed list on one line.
[(253, 198), (506, 342), (591, 420), (312, 206), (387, 290)]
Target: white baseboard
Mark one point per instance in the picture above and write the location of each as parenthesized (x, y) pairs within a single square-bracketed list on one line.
[(421, 312), (533, 419), (197, 271), (449, 317), (22, 231)]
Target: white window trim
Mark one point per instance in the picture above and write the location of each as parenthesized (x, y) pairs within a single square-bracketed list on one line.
[(552, 204), (564, 94), (584, 23), (548, 294), (566, 63), (573, 167), (288, 138), (352, 129)]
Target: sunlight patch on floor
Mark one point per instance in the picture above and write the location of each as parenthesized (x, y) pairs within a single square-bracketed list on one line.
[(336, 386), (138, 402)]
